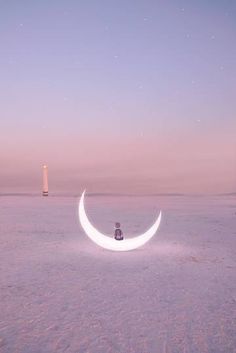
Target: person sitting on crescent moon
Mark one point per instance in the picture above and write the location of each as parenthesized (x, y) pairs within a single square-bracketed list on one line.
[(118, 232)]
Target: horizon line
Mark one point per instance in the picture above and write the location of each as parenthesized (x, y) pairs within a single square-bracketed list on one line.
[(109, 194)]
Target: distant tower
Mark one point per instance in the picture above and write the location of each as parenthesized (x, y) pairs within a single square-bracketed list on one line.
[(45, 180)]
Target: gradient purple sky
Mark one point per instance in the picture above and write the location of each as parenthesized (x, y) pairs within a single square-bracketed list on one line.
[(118, 96)]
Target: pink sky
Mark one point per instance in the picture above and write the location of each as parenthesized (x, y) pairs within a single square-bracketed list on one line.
[(201, 161), (118, 98)]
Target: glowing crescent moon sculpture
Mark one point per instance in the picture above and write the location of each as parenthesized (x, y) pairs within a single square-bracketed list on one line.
[(110, 243)]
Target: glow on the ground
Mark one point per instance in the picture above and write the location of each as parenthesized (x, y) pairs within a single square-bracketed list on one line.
[(110, 243)]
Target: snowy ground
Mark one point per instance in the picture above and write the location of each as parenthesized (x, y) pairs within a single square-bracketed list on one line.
[(61, 293)]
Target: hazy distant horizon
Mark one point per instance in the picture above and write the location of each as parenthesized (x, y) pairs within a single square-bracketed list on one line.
[(97, 194)]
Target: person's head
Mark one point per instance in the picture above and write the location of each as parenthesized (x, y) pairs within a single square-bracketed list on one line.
[(117, 224)]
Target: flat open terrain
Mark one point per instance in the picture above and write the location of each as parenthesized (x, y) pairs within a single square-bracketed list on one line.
[(61, 293)]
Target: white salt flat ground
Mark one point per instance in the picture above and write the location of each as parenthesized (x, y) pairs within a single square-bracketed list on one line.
[(61, 293)]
